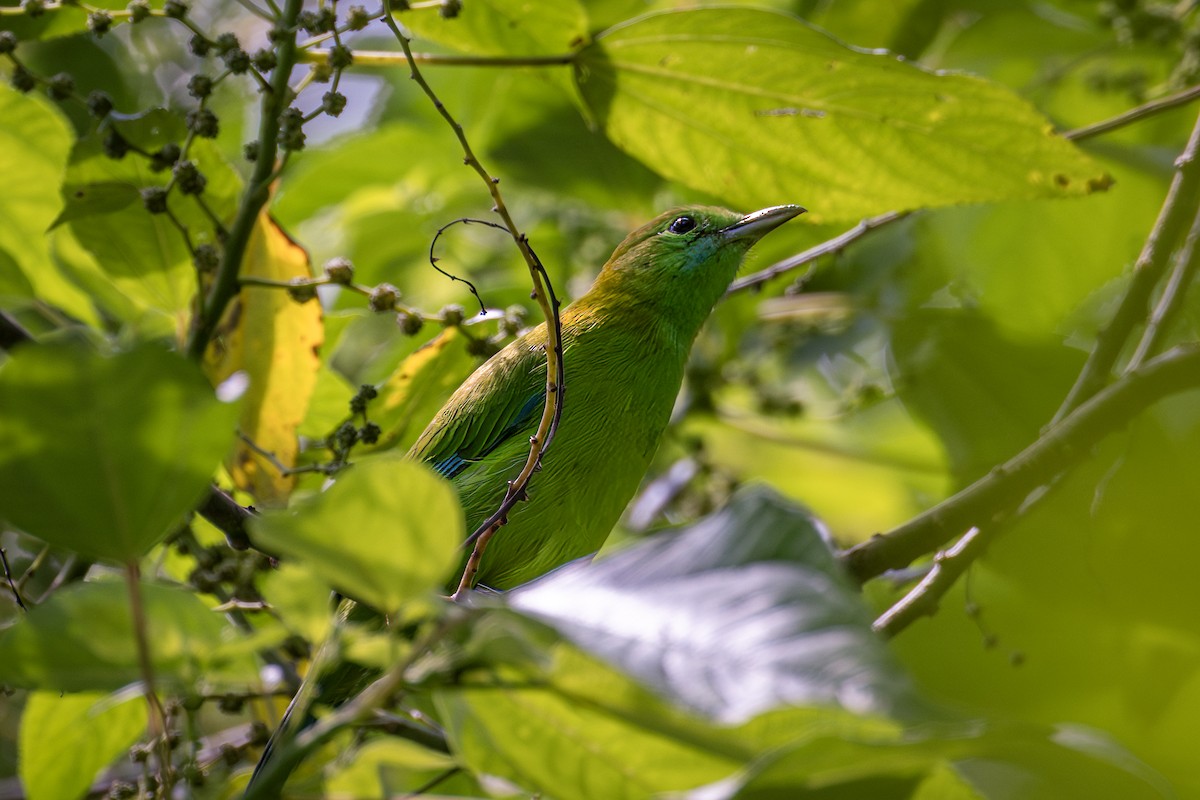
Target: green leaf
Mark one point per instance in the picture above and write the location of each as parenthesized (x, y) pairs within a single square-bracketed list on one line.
[(82, 640), (93, 729), (983, 416), (993, 762), (66, 20), (503, 27), (386, 532), (756, 107), (105, 455), (738, 614), (543, 739), (386, 768), (94, 199), (34, 142), (144, 254), (418, 388)]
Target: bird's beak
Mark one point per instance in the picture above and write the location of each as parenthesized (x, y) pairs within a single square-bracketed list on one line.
[(760, 223)]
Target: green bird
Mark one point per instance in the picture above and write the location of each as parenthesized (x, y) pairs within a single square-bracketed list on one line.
[(625, 346)]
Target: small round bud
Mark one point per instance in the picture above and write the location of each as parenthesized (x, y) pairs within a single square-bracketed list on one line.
[(203, 123), (154, 198), (200, 86), (192, 773), (121, 790), (365, 394), (451, 315), (383, 297), (175, 9), (165, 157), (346, 436), (307, 20), (34, 8), (279, 34), (8, 42), (409, 322), (291, 129), (99, 22), (319, 21), (225, 42), (333, 103), (139, 753), (115, 146), (199, 45), (449, 9), (230, 754), (60, 86), (340, 270), (301, 290), (357, 18), (259, 734), (189, 179), (296, 646), (340, 57), (514, 320), (22, 79), (99, 104), (370, 433), (138, 10), (231, 704), (264, 59), (322, 72), (250, 150), (481, 348), (206, 258), (237, 59)]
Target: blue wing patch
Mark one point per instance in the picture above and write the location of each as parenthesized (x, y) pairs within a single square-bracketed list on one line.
[(453, 464)]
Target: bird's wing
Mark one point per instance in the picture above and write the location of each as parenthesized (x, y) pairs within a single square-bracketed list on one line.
[(497, 402)]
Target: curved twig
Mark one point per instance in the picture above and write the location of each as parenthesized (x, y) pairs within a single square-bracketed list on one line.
[(434, 259), (543, 292)]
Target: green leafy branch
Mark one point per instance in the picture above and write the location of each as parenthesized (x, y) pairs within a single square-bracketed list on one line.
[(1095, 407)]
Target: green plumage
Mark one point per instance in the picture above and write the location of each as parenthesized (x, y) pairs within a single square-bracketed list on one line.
[(625, 345)]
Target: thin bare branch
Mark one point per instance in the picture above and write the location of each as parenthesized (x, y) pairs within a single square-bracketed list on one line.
[(835, 245), (1059, 448), (543, 293), (1177, 209)]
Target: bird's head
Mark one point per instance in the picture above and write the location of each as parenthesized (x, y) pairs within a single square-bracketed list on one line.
[(682, 261)]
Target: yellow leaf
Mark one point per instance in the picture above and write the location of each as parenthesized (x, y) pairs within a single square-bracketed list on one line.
[(422, 383), (276, 341)]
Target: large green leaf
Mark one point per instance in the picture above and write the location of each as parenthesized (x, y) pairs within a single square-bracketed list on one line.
[(143, 254), (94, 728), (65, 20), (617, 742), (503, 27), (82, 640), (756, 107), (105, 455), (34, 142), (738, 614), (983, 394), (386, 532), (1002, 761)]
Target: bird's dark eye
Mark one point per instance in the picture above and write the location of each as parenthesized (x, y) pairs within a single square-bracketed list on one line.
[(681, 225)]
